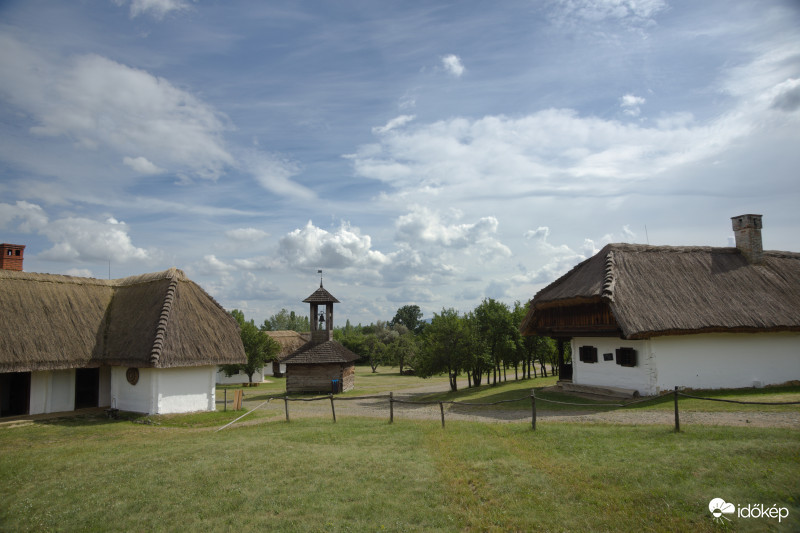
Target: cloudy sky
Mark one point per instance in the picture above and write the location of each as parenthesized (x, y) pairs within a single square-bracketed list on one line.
[(429, 153)]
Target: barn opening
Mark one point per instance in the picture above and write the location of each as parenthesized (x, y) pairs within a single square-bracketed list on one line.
[(87, 387), (15, 393)]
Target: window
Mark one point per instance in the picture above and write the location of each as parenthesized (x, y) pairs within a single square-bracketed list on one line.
[(587, 354), (626, 356)]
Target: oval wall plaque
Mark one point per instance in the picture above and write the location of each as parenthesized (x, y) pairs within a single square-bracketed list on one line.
[(133, 375)]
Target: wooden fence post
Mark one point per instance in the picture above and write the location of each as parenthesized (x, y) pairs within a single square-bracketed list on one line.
[(533, 410), (333, 409), (441, 409), (677, 418), (226, 400), (286, 406), (237, 399), (391, 407)]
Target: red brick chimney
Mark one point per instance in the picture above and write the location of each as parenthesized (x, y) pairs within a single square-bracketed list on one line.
[(747, 230), (11, 256)]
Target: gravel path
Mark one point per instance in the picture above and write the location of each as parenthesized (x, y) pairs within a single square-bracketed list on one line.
[(379, 408)]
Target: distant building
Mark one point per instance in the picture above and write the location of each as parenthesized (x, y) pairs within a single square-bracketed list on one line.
[(322, 364), (289, 341), (648, 318), (148, 343)]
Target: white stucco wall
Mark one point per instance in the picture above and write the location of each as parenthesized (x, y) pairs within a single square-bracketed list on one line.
[(165, 390), (104, 394), (137, 398), (710, 361), (608, 373), (183, 390), (52, 391), (726, 360)]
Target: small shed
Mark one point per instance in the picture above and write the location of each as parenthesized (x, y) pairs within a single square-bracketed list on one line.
[(321, 364)]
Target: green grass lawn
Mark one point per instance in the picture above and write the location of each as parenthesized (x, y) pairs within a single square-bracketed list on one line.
[(92, 474)]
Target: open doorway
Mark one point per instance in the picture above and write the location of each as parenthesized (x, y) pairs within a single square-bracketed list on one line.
[(15, 393), (87, 387)]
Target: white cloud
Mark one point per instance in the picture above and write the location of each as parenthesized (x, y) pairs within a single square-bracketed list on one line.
[(155, 8), (246, 234), (30, 217), (142, 165), (79, 272), (423, 227), (452, 64), (100, 103), (562, 152), (74, 238), (84, 239), (394, 123), (628, 13), (274, 174), (787, 95), (411, 294), (211, 264), (346, 247), (631, 104)]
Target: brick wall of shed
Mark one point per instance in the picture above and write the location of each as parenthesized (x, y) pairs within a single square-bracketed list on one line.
[(312, 378)]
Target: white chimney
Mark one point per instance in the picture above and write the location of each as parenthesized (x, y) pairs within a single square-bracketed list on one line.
[(747, 230)]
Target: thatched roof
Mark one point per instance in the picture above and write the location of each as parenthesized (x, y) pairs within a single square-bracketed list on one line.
[(289, 340), (321, 296), (160, 320), (322, 352), (665, 290)]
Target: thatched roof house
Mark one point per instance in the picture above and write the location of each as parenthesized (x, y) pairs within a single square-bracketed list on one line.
[(153, 341), (682, 316), (289, 340), (637, 291)]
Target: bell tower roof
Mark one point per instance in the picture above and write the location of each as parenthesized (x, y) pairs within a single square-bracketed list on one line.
[(321, 296)]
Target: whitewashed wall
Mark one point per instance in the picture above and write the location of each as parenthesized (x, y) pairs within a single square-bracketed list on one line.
[(184, 390), (104, 394), (710, 361), (608, 373), (165, 390), (138, 398), (52, 391), (726, 360)]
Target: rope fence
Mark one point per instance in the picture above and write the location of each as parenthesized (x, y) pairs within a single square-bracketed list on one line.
[(532, 397)]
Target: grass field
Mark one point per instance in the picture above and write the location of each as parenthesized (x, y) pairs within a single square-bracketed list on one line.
[(176, 473)]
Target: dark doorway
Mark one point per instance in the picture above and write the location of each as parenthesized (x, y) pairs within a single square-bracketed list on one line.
[(87, 387), (15, 393)]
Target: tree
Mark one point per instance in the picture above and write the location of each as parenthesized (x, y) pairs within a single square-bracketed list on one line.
[(402, 350), (497, 329), (259, 348), (444, 347), (286, 320), (376, 351), (410, 316)]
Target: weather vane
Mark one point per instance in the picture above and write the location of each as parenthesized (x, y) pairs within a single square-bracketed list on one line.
[(320, 276)]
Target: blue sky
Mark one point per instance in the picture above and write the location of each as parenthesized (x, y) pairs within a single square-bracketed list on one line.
[(429, 153)]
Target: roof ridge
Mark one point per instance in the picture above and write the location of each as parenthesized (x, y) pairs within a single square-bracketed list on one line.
[(161, 329), (609, 281)]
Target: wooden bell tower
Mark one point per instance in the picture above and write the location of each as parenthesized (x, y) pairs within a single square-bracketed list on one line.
[(321, 321)]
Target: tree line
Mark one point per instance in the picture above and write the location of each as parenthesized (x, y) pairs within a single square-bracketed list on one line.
[(482, 344)]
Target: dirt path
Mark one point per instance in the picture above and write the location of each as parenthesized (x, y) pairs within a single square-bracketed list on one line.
[(379, 408)]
